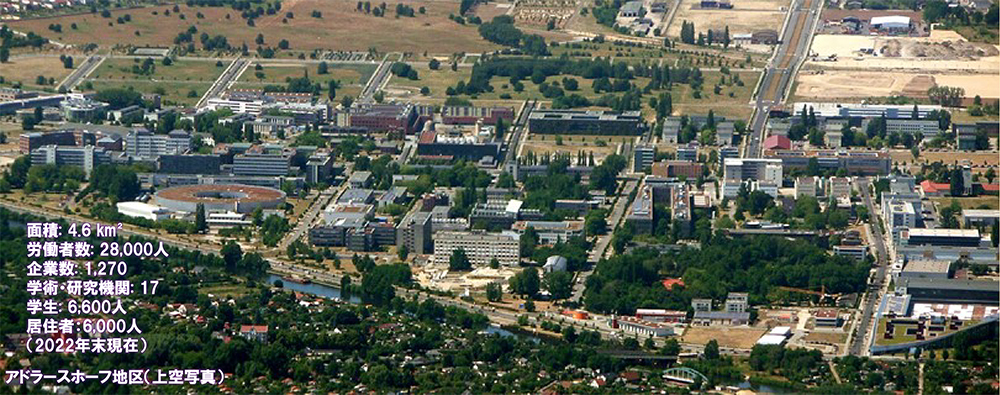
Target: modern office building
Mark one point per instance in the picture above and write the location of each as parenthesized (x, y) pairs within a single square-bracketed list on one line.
[(479, 246), (943, 237), (189, 164), (899, 216), (261, 161), (640, 215), (551, 232), (955, 291), (414, 232), (980, 217), (926, 268), (585, 122), (86, 157), (319, 167), (738, 170), (854, 162), (143, 145), (678, 168), (433, 144), (470, 115), (643, 158)]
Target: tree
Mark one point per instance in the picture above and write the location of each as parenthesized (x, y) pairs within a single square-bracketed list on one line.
[(957, 187), (529, 240), (712, 350), (525, 283), (403, 252), (671, 347), (4, 54), (231, 254), (494, 263), (493, 292), (559, 284), (283, 44), (323, 68), (260, 39), (459, 261), (200, 222), (434, 64)]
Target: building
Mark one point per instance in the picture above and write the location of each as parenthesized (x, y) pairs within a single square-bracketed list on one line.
[(713, 318), (502, 214), (894, 23), (263, 161), (724, 132), (227, 219), (124, 113), (189, 164), (551, 232), (11, 94), (414, 233), (943, 237), (640, 215), (688, 152), (256, 333), (854, 162), (83, 110), (480, 247), (470, 115), (360, 179), (30, 141), (659, 315), (899, 216), (643, 158), (678, 168), (641, 327), (777, 142), (580, 207), (86, 158), (143, 210), (319, 167), (143, 145), (235, 198), (671, 129), (833, 138), (805, 186), (380, 117), (680, 209), (973, 218), (555, 263), (850, 110), (827, 318), (632, 9), (738, 170), (953, 291), (433, 144), (701, 304), (856, 252), (585, 122), (766, 36), (926, 127), (926, 269), (737, 302)]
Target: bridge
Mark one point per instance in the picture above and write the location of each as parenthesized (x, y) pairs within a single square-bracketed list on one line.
[(684, 375)]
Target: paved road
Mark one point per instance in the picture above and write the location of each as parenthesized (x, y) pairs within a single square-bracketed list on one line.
[(378, 80), (600, 249), (230, 75), (517, 131), (779, 73), (76, 77), (877, 286)]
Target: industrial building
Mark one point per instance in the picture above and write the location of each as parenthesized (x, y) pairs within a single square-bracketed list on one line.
[(956, 291), (926, 268), (235, 198)]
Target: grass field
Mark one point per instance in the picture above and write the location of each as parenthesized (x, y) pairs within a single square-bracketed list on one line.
[(827, 337), (173, 92), (541, 144), (970, 202), (25, 70), (340, 28), (234, 291), (437, 81), (180, 70)]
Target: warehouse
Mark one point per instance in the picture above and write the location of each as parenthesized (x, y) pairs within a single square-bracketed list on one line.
[(894, 23)]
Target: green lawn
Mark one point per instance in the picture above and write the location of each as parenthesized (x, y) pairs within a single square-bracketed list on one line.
[(180, 70), (172, 92)]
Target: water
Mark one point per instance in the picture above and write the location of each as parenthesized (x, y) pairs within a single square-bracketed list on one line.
[(312, 288)]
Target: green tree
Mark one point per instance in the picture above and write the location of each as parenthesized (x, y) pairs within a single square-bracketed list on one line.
[(200, 222), (459, 261), (494, 292), (712, 350), (525, 283), (403, 252), (231, 254), (559, 284)]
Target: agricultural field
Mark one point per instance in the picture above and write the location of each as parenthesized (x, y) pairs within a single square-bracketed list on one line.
[(745, 17), (26, 69), (341, 27)]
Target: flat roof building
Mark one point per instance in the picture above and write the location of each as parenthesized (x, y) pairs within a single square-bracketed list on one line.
[(585, 122), (480, 247)]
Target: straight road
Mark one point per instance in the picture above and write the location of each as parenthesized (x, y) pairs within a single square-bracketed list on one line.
[(779, 73), (600, 248), (230, 75), (76, 77), (378, 80), (877, 286), (516, 133)]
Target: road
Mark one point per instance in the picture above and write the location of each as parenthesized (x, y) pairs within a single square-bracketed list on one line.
[(378, 80), (877, 286), (74, 78), (230, 75), (600, 248), (517, 131), (779, 73)]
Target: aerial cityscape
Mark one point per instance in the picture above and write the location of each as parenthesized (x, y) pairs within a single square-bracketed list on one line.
[(510, 196)]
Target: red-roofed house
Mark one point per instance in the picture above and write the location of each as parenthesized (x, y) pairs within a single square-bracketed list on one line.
[(670, 282), (990, 189), (254, 332), (777, 142), (934, 189)]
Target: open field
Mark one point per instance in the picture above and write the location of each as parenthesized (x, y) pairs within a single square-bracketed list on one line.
[(826, 337), (173, 91), (973, 203), (839, 84), (746, 17), (234, 291), (541, 144), (437, 81), (940, 52), (340, 28), (180, 70), (351, 76), (978, 160), (736, 337), (27, 69)]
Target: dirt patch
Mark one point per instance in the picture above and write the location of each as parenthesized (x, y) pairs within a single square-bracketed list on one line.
[(727, 337), (827, 337), (741, 19), (951, 49)]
